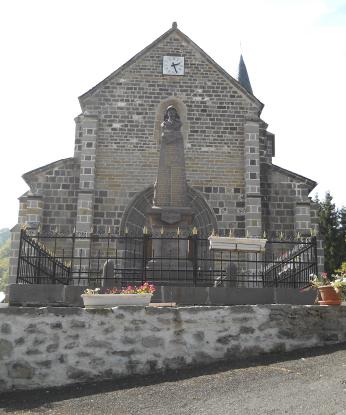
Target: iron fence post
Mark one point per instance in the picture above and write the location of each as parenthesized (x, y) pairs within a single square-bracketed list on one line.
[(37, 280), (195, 259), (20, 253), (294, 272), (72, 253), (314, 244), (145, 255)]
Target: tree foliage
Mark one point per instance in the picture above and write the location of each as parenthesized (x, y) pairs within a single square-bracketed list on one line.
[(4, 235), (342, 236), (4, 262), (332, 223)]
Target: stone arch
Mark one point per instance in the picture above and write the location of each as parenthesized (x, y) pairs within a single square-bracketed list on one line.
[(135, 215), (160, 111)]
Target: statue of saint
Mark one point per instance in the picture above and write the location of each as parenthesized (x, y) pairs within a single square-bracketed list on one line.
[(170, 186), (171, 124)]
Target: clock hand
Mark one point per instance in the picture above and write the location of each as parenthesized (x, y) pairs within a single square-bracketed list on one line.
[(174, 66)]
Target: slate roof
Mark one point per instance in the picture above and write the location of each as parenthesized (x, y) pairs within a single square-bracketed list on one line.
[(243, 76)]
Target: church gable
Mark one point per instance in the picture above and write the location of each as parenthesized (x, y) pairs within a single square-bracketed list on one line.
[(298, 182), (129, 107), (54, 178), (128, 102), (150, 61)]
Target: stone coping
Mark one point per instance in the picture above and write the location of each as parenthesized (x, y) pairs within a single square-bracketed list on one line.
[(155, 309)]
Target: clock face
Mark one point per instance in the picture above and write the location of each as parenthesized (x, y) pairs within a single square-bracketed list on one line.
[(173, 65)]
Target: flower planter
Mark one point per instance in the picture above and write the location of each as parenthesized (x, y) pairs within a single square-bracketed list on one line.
[(114, 300), (328, 295), (224, 243)]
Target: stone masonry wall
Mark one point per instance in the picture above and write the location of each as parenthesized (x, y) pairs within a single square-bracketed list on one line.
[(57, 184), (130, 107), (280, 194), (43, 347)]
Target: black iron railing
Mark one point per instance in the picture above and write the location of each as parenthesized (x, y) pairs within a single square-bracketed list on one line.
[(38, 265), (94, 260)]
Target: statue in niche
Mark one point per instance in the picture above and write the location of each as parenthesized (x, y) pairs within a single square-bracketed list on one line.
[(170, 186), (171, 124)]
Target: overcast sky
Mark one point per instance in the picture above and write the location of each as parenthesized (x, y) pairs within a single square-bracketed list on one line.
[(54, 51)]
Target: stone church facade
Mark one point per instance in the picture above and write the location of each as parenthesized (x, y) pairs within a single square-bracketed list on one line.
[(108, 184)]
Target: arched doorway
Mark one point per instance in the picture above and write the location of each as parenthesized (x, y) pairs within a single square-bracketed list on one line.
[(135, 215)]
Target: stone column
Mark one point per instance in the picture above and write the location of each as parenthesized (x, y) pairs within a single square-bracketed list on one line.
[(85, 203), (302, 217), (320, 254), (78, 137), (14, 254), (34, 211), (253, 203), (15, 240), (30, 213)]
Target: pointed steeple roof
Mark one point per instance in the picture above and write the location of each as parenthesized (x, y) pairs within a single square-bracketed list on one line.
[(243, 77)]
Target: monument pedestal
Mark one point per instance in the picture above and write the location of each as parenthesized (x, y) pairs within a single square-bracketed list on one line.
[(170, 228), (167, 223)]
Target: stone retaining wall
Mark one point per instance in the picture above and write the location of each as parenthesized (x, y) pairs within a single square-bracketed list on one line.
[(40, 295), (51, 346)]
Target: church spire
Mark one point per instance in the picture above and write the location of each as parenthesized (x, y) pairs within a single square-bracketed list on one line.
[(243, 77)]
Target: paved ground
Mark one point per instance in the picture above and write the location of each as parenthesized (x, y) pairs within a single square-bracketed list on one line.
[(309, 382)]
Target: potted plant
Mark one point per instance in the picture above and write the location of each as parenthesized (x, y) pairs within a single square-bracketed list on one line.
[(331, 291), (113, 297), (339, 284)]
